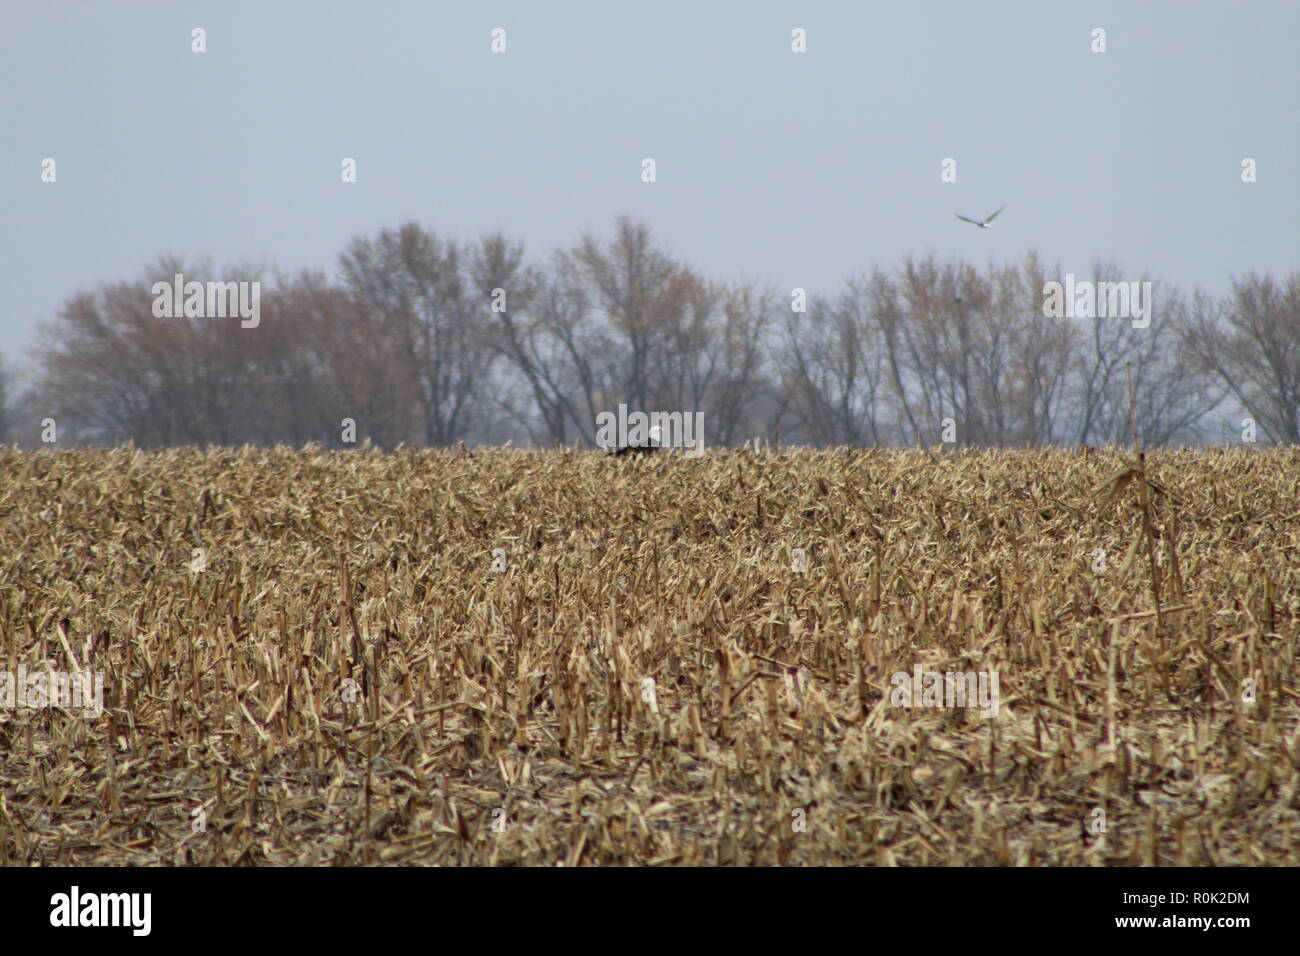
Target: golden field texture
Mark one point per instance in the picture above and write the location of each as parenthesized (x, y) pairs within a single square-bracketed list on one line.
[(1143, 630)]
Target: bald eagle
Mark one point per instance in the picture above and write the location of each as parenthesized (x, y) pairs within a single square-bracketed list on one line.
[(646, 449)]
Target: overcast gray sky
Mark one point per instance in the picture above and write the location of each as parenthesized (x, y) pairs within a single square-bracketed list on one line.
[(796, 168)]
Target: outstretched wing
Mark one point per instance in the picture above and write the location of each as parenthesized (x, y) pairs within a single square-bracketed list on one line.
[(992, 217), (973, 222)]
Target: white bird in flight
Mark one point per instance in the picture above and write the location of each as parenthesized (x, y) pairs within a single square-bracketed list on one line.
[(976, 222)]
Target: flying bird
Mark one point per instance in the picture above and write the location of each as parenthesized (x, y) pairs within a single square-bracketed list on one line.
[(976, 222)]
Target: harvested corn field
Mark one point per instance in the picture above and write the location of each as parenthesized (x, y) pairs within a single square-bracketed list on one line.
[(544, 658)]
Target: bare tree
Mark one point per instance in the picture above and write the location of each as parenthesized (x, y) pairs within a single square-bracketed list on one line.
[(633, 324), (427, 340), (1042, 353), (498, 273), (411, 286), (738, 342), (640, 293), (332, 358), (115, 371), (8, 400), (1249, 343), (948, 350), (834, 361), (1170, 402)]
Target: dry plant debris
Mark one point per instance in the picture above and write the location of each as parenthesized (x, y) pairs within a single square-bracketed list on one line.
[(445, 657)]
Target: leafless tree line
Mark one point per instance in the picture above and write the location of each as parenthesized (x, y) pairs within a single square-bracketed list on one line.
[(428, 340)]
